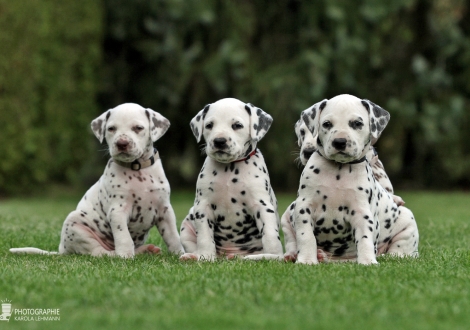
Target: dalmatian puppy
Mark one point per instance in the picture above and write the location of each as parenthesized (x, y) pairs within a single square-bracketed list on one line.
[(133, 194), (308, 145), (235, 210), (305, 140), (341, 208)]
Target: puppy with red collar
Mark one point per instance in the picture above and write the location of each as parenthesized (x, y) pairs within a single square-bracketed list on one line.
[(235, 210)]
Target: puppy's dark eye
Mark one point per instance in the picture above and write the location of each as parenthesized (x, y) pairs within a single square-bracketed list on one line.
[(111, 128), (138, 128), (356, 124), (237, 126), (302, 132), (327, 124), (209, 125)]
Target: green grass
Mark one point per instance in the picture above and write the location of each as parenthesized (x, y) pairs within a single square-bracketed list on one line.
[(159, 292)]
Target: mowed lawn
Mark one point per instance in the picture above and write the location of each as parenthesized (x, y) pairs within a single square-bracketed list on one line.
[(160, 292)]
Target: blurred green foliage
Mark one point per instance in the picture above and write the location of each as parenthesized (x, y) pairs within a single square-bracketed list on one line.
[(50, 52), (412, 57)]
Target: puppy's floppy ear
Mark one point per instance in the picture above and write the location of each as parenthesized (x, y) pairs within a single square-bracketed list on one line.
[(378, 118), (98, 125), (197, 123), (300, 136), (158, 124), (311, 116), (260, 122)]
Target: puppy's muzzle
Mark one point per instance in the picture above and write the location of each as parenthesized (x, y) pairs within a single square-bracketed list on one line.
[(339, 144)]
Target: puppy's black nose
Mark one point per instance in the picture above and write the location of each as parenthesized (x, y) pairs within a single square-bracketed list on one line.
[(308, 152), (220, 142), (339, 144)]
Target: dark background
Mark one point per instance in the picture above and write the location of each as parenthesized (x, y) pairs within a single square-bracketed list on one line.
[(62, 63)]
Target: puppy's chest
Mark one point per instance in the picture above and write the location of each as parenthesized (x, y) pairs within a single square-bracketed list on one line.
[(336, 175), (338, 185), (137, 193), (227, 185), (227, 196)]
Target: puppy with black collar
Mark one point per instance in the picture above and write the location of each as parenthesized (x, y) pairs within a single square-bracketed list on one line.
[(116, 214), (341, 208)]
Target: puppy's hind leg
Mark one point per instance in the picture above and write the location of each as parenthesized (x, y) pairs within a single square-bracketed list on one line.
[(405, 241), (147, 248), (78, 237), (166, 225), (290, 240), (188, 239)]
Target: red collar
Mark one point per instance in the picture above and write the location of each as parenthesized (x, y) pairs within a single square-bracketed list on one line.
[(247, 157)]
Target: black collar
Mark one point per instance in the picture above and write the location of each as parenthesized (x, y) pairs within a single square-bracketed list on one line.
[(136, 165), (357, 161)]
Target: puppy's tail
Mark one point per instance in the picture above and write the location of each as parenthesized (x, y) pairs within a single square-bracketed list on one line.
[(30, 250)]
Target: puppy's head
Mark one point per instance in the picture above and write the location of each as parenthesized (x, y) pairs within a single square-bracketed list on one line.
[(346, 126), (231, 128), (306, 141), (129, 130)]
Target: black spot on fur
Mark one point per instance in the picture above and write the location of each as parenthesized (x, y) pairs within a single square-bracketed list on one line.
[(247, 108)]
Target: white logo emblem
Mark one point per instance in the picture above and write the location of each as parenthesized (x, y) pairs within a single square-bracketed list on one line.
[(6, 310)]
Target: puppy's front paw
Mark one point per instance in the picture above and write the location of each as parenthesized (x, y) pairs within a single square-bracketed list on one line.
[(367, 261), (125, 248), (188, 256), (125, 255), (207, 257), (196, 256), (307, 260)]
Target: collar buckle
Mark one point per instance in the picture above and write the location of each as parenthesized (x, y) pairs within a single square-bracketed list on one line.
[(136, 166)]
